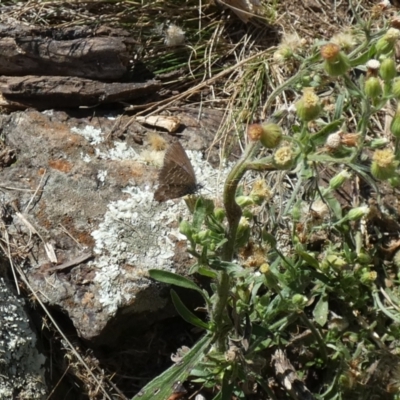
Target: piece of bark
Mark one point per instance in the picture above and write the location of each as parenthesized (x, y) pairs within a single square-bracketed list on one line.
[(43, 92), (287, 377), (105, 58)]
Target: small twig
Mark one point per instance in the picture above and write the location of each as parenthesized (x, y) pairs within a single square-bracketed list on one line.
[(75, 261), (36, 191), (65, 230)]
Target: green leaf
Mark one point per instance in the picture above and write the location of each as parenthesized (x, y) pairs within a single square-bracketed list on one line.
[(204, 271), (163, 385), (174, 279), (308, 258), (319, 138), (227, 386), (199, 215), (334, 205), (186, 314), (321, 310)]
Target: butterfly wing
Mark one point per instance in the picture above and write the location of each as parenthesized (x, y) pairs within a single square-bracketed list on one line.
[(176, 178)]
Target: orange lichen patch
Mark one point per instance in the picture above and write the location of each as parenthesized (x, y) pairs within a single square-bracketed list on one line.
[(41, 171), (42, 217), (60, 165), (124, 171)]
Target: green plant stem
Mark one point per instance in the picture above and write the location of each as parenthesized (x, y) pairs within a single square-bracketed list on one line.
[(233, 214), (233, 211), (317, 336)]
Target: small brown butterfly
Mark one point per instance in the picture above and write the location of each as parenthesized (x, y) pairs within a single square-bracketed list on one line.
[(176, 178)]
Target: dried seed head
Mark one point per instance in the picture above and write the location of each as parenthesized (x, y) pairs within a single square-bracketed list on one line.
[(345, 40), (350, 139), (174, 36), (156, 141), (333, 141), (254, 132)]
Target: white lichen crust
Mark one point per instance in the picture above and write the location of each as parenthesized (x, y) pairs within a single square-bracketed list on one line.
[(138, 234), (21, 365)]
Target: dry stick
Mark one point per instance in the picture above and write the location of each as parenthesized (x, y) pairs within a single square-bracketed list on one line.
[(11, 260), (71, 263), (37, 189), (76, 354), (165, 103)]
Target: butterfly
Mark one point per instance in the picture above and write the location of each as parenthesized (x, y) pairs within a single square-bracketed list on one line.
[(176, 178)]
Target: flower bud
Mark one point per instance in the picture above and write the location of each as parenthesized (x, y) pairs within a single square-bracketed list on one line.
[(368, 277), (396, 88), (388, 69), (334, 261), (271, 135), (387, 42), (296, 213), (337, 181), (242, 233), (357, 213), (336, 62), (260, 192), (202, 236), (364, 258), (283, 157), (219, 214), (309, 106), (254, 132), (185, 228), (378, 142), (271, 281), (383, 164), (299, 300), (244, 201), (373, 87), (395, 124)]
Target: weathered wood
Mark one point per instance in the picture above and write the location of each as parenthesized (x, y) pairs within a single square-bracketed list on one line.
[(42, 92), (94, 58)]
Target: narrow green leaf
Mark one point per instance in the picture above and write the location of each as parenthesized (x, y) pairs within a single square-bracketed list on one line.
[(174, 279), (321, 310), (186, 314), (308, 258), (227, 387), (205, 271), (164, 383)]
